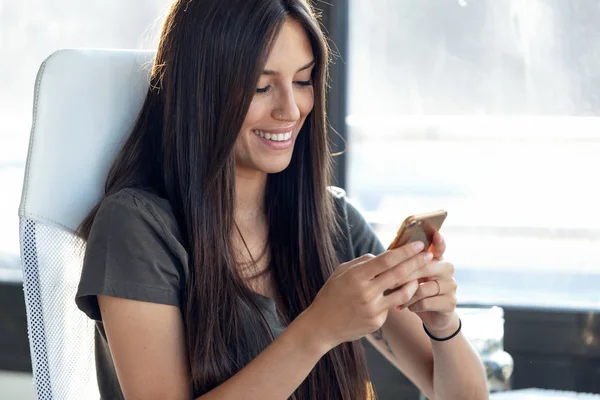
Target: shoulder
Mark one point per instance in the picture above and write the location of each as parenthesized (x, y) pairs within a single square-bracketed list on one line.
[(362, 237), (138, 200), (336, 192), (133, 251), (133, 219), (132, 206), (345, 206)]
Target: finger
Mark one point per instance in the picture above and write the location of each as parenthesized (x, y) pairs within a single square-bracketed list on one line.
[(352, 263), (438, 245), (401, 295), (431, 288), (445, 303), (430, 271), (391, 258), (421, 275), (433, 270), (361, 259), (403, 273)]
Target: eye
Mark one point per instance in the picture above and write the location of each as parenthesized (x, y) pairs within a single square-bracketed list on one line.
[(304, 83), (264, 89)]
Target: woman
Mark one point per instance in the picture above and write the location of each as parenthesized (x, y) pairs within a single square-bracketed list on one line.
[(219, 265)]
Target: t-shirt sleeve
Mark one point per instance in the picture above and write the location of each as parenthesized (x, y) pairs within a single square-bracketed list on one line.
[(127, 256), (363, 237)]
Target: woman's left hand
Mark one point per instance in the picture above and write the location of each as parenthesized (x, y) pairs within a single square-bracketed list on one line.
[(435, 300)]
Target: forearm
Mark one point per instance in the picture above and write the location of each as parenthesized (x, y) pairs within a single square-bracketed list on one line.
[(457, 370), (277, 371), (442, 370)]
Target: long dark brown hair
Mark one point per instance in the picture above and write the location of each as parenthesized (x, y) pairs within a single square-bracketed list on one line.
[(210, 57)]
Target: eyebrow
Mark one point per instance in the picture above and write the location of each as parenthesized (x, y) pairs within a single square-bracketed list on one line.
[(307, 66)]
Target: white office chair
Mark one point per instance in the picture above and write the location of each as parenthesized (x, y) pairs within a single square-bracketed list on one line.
[(85, 103)]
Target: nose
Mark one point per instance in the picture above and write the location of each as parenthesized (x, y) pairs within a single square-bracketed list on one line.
[(286, 108)]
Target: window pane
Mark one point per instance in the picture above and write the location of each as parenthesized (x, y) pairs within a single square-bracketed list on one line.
[(30, 30), (490, 110)]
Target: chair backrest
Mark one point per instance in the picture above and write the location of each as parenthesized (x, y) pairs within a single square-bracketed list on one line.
[(86, 102)]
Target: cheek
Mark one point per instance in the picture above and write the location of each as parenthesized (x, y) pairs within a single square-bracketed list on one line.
[(305, 102), (256, 113)]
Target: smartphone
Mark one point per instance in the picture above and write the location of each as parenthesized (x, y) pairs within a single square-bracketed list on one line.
[(419, 227)]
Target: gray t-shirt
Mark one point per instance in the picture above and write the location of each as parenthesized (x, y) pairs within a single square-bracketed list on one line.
[(135, 251)]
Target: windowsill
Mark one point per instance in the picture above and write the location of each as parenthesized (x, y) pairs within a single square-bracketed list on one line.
[(12, 273), (538, 290)]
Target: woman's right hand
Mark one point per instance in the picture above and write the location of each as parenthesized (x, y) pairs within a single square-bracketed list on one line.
[(352, 304)]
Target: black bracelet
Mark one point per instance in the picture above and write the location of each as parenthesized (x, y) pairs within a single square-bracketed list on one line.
[(447, 338)]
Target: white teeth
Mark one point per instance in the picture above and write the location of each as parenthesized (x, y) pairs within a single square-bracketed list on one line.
[(277, 137)]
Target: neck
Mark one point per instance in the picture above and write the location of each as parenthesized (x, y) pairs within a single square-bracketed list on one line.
[(250, 194)]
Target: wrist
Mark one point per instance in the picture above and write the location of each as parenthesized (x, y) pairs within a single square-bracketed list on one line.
[(310, 334), (445, 331)]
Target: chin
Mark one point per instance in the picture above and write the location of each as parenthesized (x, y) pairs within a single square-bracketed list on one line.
[(274, 167)]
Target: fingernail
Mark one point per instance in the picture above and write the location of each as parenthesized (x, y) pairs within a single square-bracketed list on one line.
[(418, 246), (428, 256)]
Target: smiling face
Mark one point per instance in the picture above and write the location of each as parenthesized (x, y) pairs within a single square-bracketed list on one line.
[(283, 99)]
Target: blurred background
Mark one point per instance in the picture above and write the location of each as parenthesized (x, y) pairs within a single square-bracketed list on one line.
[(487, 109)]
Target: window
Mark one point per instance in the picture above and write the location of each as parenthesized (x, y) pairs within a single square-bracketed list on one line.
[(489, 110), (30, 30)]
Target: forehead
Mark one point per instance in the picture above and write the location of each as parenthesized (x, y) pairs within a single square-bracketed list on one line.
[(291, 49)]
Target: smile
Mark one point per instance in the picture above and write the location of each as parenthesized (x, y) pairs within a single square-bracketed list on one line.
[(277, 137)]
